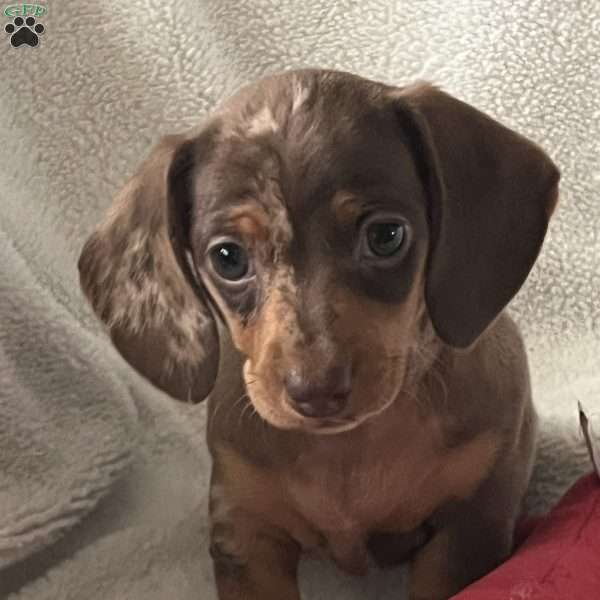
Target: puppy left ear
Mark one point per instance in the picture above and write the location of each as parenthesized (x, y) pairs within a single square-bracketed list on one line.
[(491, 195), (135, 272)]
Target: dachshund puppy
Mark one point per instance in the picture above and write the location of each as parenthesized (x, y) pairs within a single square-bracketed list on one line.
[(349, 248)]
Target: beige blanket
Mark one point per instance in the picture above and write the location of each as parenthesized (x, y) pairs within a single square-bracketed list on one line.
[(102, 478)]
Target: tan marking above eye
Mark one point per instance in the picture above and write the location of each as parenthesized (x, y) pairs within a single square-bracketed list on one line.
[(347, 208), (251, 221)]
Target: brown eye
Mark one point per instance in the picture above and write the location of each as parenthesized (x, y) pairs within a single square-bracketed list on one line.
[(230, 261), (385, 239)]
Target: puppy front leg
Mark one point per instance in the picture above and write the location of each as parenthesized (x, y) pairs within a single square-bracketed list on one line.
[(453, 559), (253, 562), (466, 549)]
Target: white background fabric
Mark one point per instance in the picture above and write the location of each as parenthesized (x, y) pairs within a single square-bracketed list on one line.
[(85, 441)]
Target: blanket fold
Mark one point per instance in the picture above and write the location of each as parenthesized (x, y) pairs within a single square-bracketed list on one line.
[(65, 433)]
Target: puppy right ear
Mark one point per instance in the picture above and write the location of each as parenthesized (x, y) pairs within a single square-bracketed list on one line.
[(491, 195), (134, 272)]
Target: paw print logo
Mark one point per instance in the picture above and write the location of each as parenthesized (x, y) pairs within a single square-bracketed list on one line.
[(24, 31)]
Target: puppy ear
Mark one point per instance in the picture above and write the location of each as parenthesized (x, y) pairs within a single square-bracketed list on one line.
[(492, 193), (134, 272)]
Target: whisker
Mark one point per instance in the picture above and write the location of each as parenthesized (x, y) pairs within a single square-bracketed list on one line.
[(212, 417), (241, 416), (234, 406)]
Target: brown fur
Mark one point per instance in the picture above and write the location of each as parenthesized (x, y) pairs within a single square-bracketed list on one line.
[(429, 455)]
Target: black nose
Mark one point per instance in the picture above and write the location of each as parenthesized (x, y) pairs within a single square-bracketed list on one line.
[(319, 398)]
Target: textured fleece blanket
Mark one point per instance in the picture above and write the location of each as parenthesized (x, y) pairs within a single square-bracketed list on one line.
[(103, 480)]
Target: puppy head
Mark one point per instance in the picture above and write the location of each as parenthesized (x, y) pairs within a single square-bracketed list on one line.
[(329, 220)]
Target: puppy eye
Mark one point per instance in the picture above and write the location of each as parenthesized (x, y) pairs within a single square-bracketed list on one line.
[(230, 261), (385, 239)]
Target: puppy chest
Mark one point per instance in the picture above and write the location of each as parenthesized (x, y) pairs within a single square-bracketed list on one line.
[(353, 500), (386, 492), (331, 502), (346, 506)]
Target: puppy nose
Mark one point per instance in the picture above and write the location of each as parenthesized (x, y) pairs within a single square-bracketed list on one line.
[(321, 398)]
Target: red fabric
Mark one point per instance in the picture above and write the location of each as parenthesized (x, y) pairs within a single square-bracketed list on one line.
[(560, 558)]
